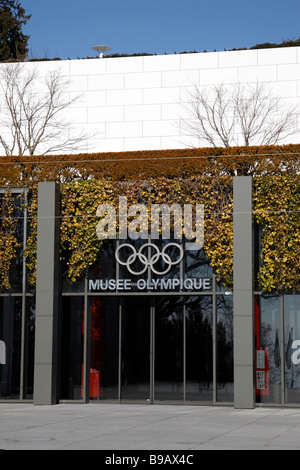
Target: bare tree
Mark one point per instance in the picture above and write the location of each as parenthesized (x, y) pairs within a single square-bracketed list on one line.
[(31, 111), (238, 115)]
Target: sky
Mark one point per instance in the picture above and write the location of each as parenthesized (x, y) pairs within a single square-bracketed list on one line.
[(70, 28)]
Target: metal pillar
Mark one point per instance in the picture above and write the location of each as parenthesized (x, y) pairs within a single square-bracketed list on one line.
[(243, 293), (46, 327)]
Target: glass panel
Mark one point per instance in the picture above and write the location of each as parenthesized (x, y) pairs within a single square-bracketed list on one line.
[(12, 226), (292, 348), (196, 265), (199, 361), (169, 349), (268, 380), (71, 348), (104, 270), (104, 348), (10, 346), (29, 347), (69, 286), (135, 348), (224, 348)]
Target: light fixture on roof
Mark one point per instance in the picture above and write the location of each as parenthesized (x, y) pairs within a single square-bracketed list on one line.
[(101, 49)]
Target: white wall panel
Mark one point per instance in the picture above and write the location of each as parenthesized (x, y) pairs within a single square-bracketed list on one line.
[(180, 78), (289, 72), (106, 82), (78, 83), (217, 76), (266, 73), (136, 103), (281, 55), (175, 142), (105, 114), (146, 112), (79, 115), (87, 67), (144, 143), (237, 58), (123, 97), (162, 62), (159, 128), (161, 95), (124, 129), (208, 60), (143, 80), (124, 64), (96, 98), (284, 89), (173, 111)]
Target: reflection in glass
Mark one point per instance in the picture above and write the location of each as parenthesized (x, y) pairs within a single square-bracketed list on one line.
[(29, 347), (171, 269), (199, 361), (292, 345), (105, 267), (169, 349), (67, 284), (104, 348), (196, 265), (135, 364), (71, 348), (268, 338), (224, 348), (12, 222), (10, 336)]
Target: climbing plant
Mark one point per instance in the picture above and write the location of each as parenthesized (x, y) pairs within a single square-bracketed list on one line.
[(180, 179), (277, 213), (81, 199), (9, 239)]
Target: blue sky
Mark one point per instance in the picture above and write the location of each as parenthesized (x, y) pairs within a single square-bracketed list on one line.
[(69, 28)]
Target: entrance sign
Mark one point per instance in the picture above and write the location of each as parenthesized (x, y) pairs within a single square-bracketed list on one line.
[(189, 284)]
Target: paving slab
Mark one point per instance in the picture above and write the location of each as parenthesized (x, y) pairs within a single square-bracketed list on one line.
[(137, 427)]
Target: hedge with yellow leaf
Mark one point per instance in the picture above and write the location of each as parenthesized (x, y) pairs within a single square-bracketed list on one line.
[(187, 176)]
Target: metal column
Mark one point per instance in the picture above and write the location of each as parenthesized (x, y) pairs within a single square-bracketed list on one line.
[(46, 329), (243, 292)]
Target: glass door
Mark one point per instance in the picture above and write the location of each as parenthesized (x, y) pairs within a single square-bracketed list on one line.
[(136, 350), (168, 375), (151, 349)]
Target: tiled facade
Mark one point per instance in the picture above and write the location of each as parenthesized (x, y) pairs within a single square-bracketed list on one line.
[(137, 103)]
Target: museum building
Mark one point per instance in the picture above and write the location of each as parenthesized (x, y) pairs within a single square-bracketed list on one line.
[(150, 322), (151, 319)]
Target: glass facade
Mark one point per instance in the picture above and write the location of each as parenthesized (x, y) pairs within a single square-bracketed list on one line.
[(17, 303), (277, 339), (150, 344), (292, 348), (147, 332)]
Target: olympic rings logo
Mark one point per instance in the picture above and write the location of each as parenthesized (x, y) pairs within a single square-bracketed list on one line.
[(148, 261)]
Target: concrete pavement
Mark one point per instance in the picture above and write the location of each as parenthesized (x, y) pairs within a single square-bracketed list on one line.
[(136, 427)]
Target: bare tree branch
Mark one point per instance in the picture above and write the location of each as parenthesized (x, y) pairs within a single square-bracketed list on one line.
[(238, 115), (31, 112)]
